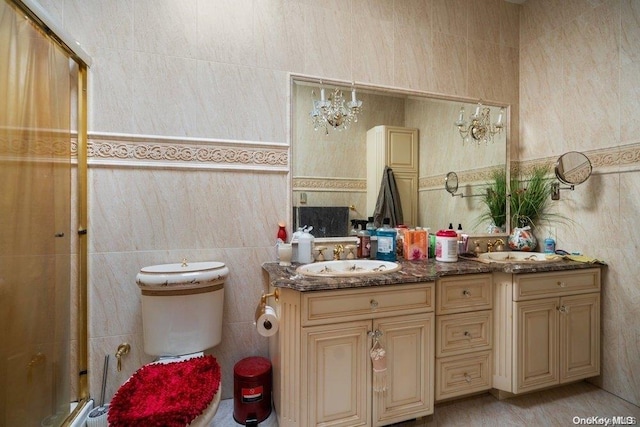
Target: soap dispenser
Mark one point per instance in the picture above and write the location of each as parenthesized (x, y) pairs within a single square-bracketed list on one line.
[(305, 246)]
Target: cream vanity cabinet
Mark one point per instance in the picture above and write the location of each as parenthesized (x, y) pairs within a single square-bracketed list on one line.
[(396, 147), (322, 369), (547, 329), (464, 324)]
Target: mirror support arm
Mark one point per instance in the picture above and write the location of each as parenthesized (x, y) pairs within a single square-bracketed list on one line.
[(555, 190)]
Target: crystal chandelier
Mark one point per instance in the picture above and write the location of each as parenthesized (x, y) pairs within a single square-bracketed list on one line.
[(479, 129), (331, 111)]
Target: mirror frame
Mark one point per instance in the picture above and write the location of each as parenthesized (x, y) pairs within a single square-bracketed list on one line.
[(451, 187), (560, 174), (295, 78)]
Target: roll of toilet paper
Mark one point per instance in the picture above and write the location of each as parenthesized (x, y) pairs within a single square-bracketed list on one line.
[(268, 322)]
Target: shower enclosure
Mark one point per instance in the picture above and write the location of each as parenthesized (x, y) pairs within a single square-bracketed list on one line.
[(42, 209)]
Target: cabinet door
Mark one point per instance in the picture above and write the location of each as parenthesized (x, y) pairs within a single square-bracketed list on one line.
[(536, 342), (402, 149), (407, 184), (336, 385), (579, 337), (409, 345)]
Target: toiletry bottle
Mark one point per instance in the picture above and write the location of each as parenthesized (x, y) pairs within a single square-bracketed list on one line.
[(549, 245), (282, 233), (400, 230), (364, 243), (371, 226), (296, 234), (354, 228), (305, 246), (294, 241), (386, 242), (446, 246), (281, 237)]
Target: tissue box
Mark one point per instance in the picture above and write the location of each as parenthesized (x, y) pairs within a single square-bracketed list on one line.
[(416, 244)]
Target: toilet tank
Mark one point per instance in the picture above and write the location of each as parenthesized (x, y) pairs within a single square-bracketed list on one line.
[(182, 307)]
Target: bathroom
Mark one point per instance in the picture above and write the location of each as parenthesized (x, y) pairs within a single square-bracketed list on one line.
[(214, 75)]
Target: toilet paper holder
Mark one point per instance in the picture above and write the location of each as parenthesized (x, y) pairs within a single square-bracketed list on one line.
[(262, 306)]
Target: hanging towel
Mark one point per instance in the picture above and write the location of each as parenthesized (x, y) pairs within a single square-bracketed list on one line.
[(388, 204)]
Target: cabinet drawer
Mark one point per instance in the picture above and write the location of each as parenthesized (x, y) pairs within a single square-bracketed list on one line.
[(543, 285), (456, 294), (464, 332), (366, 303), (463, 374)]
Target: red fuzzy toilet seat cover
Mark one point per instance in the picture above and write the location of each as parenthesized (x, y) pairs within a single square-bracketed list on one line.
[(171, 394)]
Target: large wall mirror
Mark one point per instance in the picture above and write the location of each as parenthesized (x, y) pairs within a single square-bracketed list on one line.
[(329, 169)]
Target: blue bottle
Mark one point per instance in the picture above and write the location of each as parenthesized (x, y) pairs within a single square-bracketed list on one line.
[(386, 242), (549, 245)]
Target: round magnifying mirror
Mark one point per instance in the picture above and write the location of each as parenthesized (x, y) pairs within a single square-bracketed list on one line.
[(573, 168), (451, 183)]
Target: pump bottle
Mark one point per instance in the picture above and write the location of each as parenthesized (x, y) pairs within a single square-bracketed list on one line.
[(386, 241)]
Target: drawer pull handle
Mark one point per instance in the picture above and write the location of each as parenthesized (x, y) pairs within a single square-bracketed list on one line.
[(467, 334), (466, 293), (374, 304), (563, 309), (562, 284), (467, 377)]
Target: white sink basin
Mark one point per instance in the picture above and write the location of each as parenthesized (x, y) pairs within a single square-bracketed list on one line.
[(346, 268), (518, 257)]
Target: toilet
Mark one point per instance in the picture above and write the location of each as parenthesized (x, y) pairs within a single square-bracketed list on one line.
[(181, 317)]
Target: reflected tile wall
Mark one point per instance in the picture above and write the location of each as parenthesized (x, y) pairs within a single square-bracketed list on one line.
[(579, 91)]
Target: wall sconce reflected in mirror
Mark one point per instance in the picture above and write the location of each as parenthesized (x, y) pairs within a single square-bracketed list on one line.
[(571, 169), (451, 185), (479, 128), (334, 111)]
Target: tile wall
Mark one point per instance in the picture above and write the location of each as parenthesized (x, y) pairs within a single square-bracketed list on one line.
[(170, 78), (580, 90)]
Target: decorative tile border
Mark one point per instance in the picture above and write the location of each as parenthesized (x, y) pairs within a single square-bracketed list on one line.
[(472, 176), (21, 144), (603, 161), (185, 153), (195, 153), (329, 184)]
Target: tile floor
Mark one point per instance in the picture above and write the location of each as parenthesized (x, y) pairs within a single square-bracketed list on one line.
[(555, 407)]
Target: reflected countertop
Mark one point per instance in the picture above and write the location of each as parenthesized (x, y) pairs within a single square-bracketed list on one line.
[(411, 272)]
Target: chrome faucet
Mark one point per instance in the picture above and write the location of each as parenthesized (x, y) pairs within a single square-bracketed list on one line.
[(337, 251)]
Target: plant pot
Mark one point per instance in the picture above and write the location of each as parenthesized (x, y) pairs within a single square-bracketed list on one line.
[(522, 239), (493, 229)]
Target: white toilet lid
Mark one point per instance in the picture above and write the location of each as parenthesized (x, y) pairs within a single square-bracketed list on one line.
[(185, 273)]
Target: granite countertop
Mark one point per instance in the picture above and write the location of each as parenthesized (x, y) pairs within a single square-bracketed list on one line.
[(411, 272)]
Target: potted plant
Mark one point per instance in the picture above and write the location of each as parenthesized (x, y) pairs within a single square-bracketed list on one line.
[(495, 202), (529, 196), (530, 204)]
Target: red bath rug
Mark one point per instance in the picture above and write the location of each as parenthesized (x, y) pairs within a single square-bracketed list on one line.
[(166, 395)]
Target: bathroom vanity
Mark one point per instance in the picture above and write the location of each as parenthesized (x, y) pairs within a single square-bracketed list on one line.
[(448, 329)]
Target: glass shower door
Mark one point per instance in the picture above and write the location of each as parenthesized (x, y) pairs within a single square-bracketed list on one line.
[(35, 224)]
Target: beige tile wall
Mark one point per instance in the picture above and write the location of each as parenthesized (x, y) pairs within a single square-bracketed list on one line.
[(217, 69), (579, 90)]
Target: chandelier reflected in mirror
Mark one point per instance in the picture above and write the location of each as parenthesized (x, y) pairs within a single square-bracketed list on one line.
[(333, 111), (479, 129)]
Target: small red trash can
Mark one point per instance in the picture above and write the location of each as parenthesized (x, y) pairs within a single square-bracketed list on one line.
[(252, 390)]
